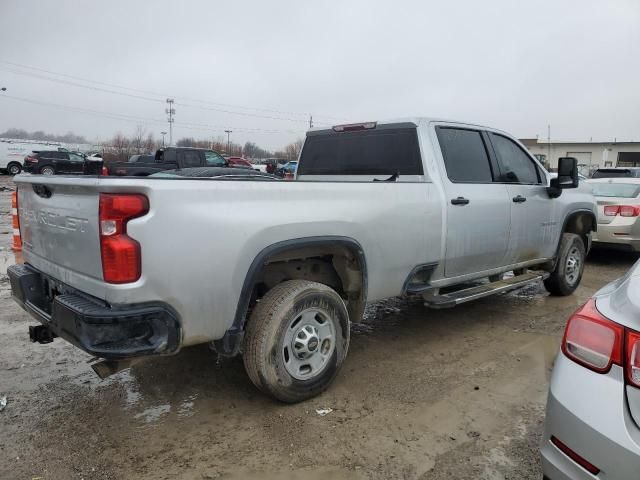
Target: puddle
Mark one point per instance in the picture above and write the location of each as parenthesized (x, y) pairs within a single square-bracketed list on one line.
[(153, 414)]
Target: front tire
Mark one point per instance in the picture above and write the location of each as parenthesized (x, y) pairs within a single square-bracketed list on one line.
[(567, 274), (296, 340), (14, 168)]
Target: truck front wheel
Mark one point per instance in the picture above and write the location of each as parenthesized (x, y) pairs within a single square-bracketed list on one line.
[(296, 340), (566, 276)]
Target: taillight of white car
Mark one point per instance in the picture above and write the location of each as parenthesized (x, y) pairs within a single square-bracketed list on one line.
[(121, 254), (622, 210), (597, 343)]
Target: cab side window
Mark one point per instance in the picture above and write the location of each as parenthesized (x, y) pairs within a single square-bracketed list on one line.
[(515, 165), (465, 155)]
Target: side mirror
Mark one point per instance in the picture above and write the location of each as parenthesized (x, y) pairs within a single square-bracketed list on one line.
[(567, 176)]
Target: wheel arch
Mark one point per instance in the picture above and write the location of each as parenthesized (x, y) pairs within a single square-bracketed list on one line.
[(344, 252), (581, 222)]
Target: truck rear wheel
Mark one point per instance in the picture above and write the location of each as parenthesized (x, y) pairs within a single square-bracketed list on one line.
[(566, 276), (296, 340)]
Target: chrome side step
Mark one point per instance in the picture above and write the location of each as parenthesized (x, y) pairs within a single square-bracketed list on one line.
[(457, 297)]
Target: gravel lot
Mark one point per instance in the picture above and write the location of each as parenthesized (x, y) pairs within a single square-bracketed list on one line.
[(424, 394)]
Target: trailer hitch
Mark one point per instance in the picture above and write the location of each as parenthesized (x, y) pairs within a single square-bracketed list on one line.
[(41, 334)]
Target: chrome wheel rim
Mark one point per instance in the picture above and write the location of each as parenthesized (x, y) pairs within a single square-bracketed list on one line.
[(47, 171), (573, 266), (13, 170), (309, 343)]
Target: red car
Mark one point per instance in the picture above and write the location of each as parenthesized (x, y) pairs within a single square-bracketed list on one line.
[(239, 162)]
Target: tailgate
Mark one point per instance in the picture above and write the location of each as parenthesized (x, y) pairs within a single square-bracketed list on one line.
[(59, 227)]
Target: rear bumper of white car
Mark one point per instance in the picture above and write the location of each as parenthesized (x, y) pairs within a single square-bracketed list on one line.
[(621, 233), (588, 413)]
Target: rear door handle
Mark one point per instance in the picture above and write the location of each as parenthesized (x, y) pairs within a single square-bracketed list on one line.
[(459, 201), (519, 199)]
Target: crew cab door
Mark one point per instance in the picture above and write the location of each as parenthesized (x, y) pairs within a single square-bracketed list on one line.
[(478, 208), (532, 227)]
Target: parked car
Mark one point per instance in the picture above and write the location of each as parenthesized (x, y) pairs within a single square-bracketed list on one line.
[(616, 172), (220, 173), (432, 204), (167, 159), (53, 162), (593, 407), (13, 152), (618, 212), (239, 162), (274, 164), (289, 167)]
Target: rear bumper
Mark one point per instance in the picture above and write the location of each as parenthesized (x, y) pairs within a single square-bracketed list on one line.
[(618, 235), (99, 329), (588, 413)]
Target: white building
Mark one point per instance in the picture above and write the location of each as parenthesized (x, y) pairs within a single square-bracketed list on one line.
[(590, 155)]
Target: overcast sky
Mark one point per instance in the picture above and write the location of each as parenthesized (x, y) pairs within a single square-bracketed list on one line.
[(509, 64)]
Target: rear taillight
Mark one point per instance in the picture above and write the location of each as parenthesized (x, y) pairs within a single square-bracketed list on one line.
[(633, 358), (629, 211), (121, 255), (30, 159), (593, 340), (622, 210)]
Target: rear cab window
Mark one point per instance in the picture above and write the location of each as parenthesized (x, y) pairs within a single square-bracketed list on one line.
[(381, 151), (465, 154)]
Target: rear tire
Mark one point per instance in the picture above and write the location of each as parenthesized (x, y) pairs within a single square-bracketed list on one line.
[(14, 168), (566, 276), (296, 340), (47, 171)]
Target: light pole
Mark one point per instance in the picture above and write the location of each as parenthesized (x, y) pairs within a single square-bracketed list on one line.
[(228, 132), (163, 134)]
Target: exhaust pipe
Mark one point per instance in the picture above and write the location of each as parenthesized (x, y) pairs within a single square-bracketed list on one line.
[(106, 368)]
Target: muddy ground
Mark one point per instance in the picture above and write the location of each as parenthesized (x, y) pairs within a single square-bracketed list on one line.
[(424, 394)]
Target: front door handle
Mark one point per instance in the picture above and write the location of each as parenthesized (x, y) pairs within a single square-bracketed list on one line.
[(459, 201), (519, 199)]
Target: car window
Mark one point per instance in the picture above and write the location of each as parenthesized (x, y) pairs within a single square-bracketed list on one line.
[(611, 173), (75, 157), (465, 155), (190, 158), (213, 159), (621, 190), (516, 166), (383, 151)]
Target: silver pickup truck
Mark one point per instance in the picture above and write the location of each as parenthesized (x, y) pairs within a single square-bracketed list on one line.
[(126, 268)]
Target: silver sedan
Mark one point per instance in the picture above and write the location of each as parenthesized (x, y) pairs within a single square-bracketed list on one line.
[(593, 408), (618, 212)]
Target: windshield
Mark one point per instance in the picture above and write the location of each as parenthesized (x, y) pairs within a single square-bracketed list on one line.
[(213, 159), (622, 190)]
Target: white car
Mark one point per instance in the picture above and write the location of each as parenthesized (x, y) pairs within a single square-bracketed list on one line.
[(13, 152)]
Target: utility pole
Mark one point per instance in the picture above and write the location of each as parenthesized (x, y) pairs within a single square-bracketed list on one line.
[(228, 132), (170, 112), (163, 134), (310, 121), (549, 144)]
